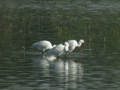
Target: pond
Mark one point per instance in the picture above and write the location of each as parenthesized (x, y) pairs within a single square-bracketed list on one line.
[(94, 66)]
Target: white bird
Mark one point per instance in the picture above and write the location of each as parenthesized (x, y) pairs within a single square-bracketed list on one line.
[(43, 45), (73, 44), (59, 50), (66, 49)]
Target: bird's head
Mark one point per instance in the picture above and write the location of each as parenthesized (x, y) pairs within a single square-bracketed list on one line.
[(66, 44), (54, 45), (81, 41)]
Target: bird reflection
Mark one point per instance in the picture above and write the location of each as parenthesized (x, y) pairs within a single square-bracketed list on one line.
[(62, 71)]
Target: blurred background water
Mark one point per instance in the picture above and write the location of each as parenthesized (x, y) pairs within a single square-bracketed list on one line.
[(95, 66)]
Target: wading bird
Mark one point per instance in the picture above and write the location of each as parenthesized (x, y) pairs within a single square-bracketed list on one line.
[(43, 45), (73, 44), (59, 50)]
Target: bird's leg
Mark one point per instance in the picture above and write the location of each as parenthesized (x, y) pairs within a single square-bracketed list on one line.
[(69, 55), (42, 52), (58, 57)]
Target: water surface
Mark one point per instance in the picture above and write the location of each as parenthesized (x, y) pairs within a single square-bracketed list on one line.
[(94, 66)]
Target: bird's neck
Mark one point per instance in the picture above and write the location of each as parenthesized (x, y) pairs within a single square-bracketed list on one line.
[(53, 46), (66, 48), (79, 44)]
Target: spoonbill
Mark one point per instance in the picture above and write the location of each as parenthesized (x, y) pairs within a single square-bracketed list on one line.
[(59, 50), (43, 45), (73, 44)]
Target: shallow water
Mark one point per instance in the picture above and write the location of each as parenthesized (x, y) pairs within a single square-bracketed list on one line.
[(94, 66)]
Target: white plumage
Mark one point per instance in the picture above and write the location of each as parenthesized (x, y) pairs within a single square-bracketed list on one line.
[(43, 45), (80, 42), (59, 50), (73, 44)]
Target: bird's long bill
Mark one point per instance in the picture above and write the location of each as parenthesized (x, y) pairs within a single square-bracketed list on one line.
[(82, 47)]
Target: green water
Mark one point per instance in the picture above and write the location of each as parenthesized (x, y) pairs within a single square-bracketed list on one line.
[(95, 66)]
